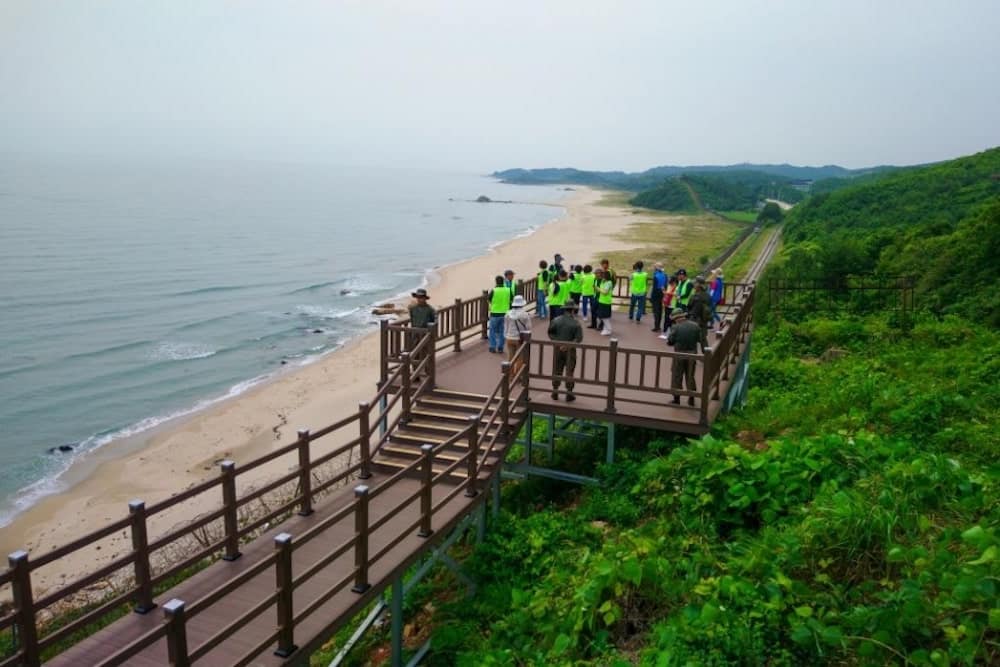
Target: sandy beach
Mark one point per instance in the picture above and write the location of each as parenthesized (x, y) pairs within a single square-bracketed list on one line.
[(250, 425)]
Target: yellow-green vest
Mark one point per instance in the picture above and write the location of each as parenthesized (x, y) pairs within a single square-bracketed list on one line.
[(682, 297), (587, 284), (639, 279), (558, 299), (500, 302), (609, 297)]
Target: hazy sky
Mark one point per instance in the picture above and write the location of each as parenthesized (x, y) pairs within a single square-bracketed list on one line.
[(488, 85)]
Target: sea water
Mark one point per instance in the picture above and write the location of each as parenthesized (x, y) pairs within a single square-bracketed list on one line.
[(136, 292)]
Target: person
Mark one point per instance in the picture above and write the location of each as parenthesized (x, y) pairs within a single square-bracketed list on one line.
[(541, 297), (558, 295), (423, 316), (499, 298), (699, 308), (565, 329), (608, 271), (516, 322), (684, 288), (587, 291), (716, 293), (637, 292), (605, 296), (656, 296), (684, 336), (668, 304), (576, 285), (508, 278), (557, 263)]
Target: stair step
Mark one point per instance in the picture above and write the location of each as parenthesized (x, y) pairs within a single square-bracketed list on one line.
[(410, 453), (450, 403), (434, 425), (481, 398)]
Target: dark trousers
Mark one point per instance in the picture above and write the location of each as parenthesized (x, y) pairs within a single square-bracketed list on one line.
[(680, 370), (564, 363), (554, 312), (657, 303)]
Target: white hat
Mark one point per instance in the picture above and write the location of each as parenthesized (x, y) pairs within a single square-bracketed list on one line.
[(518, 302)]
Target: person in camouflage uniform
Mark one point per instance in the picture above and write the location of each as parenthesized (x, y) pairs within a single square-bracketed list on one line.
[(567, 329), (684, 336), (700, 308)]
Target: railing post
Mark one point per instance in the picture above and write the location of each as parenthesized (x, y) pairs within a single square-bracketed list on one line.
[(432, 359), (458, 325), (484, 315), (612, 374), (177, 649), (405, 389), (24, 605), (228, 470), (383, 351), (364, 426), (425, 490), (505, 397), (305, 473), (361, 539), (472, 470), (526, 361), (706, 381), (283, 581), (140, 546)]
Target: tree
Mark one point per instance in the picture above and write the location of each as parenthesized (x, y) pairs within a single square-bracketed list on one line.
[(770, 213)]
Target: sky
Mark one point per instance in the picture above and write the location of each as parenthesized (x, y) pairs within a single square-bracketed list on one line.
[(470, 85)]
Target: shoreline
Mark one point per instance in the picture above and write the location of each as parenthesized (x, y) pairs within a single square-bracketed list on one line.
[(176, 454)]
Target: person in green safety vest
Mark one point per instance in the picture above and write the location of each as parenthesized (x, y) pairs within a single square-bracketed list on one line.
[(499, 299), (587, 291), (605, 295), (558, 294), (637, 292), (576, 285), (684, 289), (542, 295)]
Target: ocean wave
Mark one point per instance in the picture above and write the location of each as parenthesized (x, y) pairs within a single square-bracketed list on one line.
[(212, 290), (131, 345), (325, 312), (169, 351), (54, 483), (312, 288)]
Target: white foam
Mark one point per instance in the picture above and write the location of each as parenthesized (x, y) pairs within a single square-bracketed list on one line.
[(325, 312), (173, 351)]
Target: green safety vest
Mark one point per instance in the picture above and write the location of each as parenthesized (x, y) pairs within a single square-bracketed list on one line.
[(639, 283), (558, 299), (608, 286), (543, 280), (576, 283), (587, 284), (683, 292), (500, 301)]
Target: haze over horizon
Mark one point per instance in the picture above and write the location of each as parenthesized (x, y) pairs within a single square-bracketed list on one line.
[(471, 86)]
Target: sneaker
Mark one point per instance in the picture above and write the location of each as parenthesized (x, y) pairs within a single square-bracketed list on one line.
[(555, 395), (605, 332), (570, 398), (663, 336)]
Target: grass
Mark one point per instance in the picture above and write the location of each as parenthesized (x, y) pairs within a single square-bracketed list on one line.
[(740, 216), (675, 239)]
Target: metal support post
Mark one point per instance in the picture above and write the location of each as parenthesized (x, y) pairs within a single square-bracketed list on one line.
[(397, 621), (140, 546)]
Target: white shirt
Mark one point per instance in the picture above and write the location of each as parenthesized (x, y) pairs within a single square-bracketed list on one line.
[(516, 322)]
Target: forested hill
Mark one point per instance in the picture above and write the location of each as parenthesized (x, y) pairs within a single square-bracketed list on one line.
[(939, 223), (644, 180)]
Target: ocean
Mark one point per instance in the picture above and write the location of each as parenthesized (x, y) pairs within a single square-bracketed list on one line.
[(137, 292)]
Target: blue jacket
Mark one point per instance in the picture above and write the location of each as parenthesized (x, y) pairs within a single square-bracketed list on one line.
[(659, 279)]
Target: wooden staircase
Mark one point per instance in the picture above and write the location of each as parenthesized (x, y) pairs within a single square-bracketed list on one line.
[(437, 416)]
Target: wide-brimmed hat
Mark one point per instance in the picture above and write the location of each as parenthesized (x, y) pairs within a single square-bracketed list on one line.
[(518, 302), (700, 280), (420, 294), (570, 305), (678, 313)]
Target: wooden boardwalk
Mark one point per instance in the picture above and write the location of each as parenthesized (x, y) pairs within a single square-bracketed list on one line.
[(424, 448)]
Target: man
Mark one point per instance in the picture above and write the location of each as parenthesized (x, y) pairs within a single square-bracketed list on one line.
[(605, 297), (516, 323), (684, 336), (565, 329), (684, 288), (500, 298), (508, 278), (542, 283), (609, 273), (656, 296), (699, 308), (637, 292), (423, 316), (557, 263)]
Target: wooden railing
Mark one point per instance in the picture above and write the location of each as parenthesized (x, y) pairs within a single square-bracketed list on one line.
[(223, 490)]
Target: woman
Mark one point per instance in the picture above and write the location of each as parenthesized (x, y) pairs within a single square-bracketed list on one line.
[(716, 293), (669, 295), (605, 295)]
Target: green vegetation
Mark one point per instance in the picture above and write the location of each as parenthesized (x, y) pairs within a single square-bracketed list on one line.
[(723, 191), (848, 516), (940, 224), (770, 213), (739, 216), (736, 267), (671, 195)]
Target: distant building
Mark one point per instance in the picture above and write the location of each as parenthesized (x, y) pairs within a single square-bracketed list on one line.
[(802, 184)]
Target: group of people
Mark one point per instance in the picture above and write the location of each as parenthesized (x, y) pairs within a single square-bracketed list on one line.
[(684, 310)]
